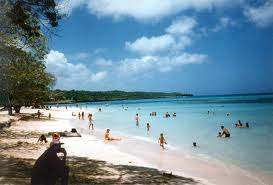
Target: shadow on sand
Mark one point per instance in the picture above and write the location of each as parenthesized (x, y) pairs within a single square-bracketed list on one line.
[(86, 171)]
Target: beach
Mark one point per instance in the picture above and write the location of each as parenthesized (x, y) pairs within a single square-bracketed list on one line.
[(19, 142)]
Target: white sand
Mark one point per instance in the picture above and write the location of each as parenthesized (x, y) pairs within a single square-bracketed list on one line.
[(131, 151)]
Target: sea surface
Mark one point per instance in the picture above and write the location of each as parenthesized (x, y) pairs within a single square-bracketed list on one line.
[(249, 148)]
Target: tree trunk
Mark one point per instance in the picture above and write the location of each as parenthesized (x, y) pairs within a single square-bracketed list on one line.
[(17, 109), (9, 105)]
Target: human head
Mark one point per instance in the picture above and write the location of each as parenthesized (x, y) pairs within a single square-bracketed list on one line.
[(161, 134), (108, 130), (222, 127)]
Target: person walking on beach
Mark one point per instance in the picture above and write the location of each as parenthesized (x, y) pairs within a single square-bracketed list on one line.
[(39, 114), (49, 116), (82, 115), (162, 141), (79, 115), (90, 121)]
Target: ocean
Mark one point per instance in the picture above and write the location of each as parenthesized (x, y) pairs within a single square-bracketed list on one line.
[(248, 148)]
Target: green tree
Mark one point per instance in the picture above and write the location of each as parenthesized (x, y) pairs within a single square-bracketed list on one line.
[(23, 80)]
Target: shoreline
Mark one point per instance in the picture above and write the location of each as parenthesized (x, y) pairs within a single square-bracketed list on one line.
[(144, 153)]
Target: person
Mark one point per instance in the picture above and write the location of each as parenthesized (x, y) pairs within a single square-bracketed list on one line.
[(162, 141), (73, 114), (247, 125), (137, 119), (194, 144), (148, 126), (238, 124), (225, 132), (107, 136), (66, 107), (42, 138), (174, 114), (82, 115), (99, 109), (39, 114), (48, 168), (90, 121), (219, 134), (55, 139), (49, 116), (79, 115)]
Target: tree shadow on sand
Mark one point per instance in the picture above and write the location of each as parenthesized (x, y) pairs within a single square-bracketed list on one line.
[(86, 171)]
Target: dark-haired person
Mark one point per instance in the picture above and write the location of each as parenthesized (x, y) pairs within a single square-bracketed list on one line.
[(225, 132)]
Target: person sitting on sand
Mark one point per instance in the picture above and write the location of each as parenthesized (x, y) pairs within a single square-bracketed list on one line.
[(55, 139), (107, 136), (225, 132), (48, 168), (162, 141), (42, 138)]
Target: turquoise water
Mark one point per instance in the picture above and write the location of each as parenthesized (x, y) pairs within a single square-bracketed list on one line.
[(247, 148)]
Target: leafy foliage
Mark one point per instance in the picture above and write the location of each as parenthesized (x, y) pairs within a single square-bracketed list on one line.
[(88, 96), (23, 79)]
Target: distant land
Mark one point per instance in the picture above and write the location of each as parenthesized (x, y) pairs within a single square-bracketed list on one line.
[(65, 96)]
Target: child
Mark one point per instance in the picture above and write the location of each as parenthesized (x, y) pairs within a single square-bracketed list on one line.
[(162, 141), (219, 134)]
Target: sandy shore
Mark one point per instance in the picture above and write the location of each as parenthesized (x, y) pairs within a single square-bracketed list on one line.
[(19, 150), (125, 158)]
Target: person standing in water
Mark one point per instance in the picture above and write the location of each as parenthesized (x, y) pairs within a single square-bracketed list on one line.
[(162, 141), (137, 119), (148, 126), (79, 115), (82, 115)]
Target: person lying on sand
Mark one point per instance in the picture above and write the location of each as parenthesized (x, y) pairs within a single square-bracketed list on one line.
[(225, 132), (42, 139), (162, 141), (107, 136)]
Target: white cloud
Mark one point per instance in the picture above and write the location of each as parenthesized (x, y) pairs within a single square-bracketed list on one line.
[(103, 62), (146, 45), (224, 22), (144, 9), (262, 16), (182, 26), (178, 36), (99, 76), (82, 56), (145, 64), (70, 75)]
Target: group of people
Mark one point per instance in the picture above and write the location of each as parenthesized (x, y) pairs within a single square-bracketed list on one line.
[(240, 125), (167, 115)]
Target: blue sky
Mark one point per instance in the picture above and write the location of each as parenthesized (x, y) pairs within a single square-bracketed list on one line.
[(200, 47)]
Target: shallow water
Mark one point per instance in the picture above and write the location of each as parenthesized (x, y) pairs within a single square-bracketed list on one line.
[(250, 148)]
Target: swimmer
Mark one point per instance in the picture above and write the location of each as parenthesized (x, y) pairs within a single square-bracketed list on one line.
[(162, 141), (219, 134), (194, 144), (137, 119)]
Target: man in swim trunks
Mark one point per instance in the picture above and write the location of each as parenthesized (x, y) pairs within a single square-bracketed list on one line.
[(225, 131)]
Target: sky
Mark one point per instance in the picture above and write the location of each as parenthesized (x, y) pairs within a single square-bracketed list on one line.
[(203, 47)]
